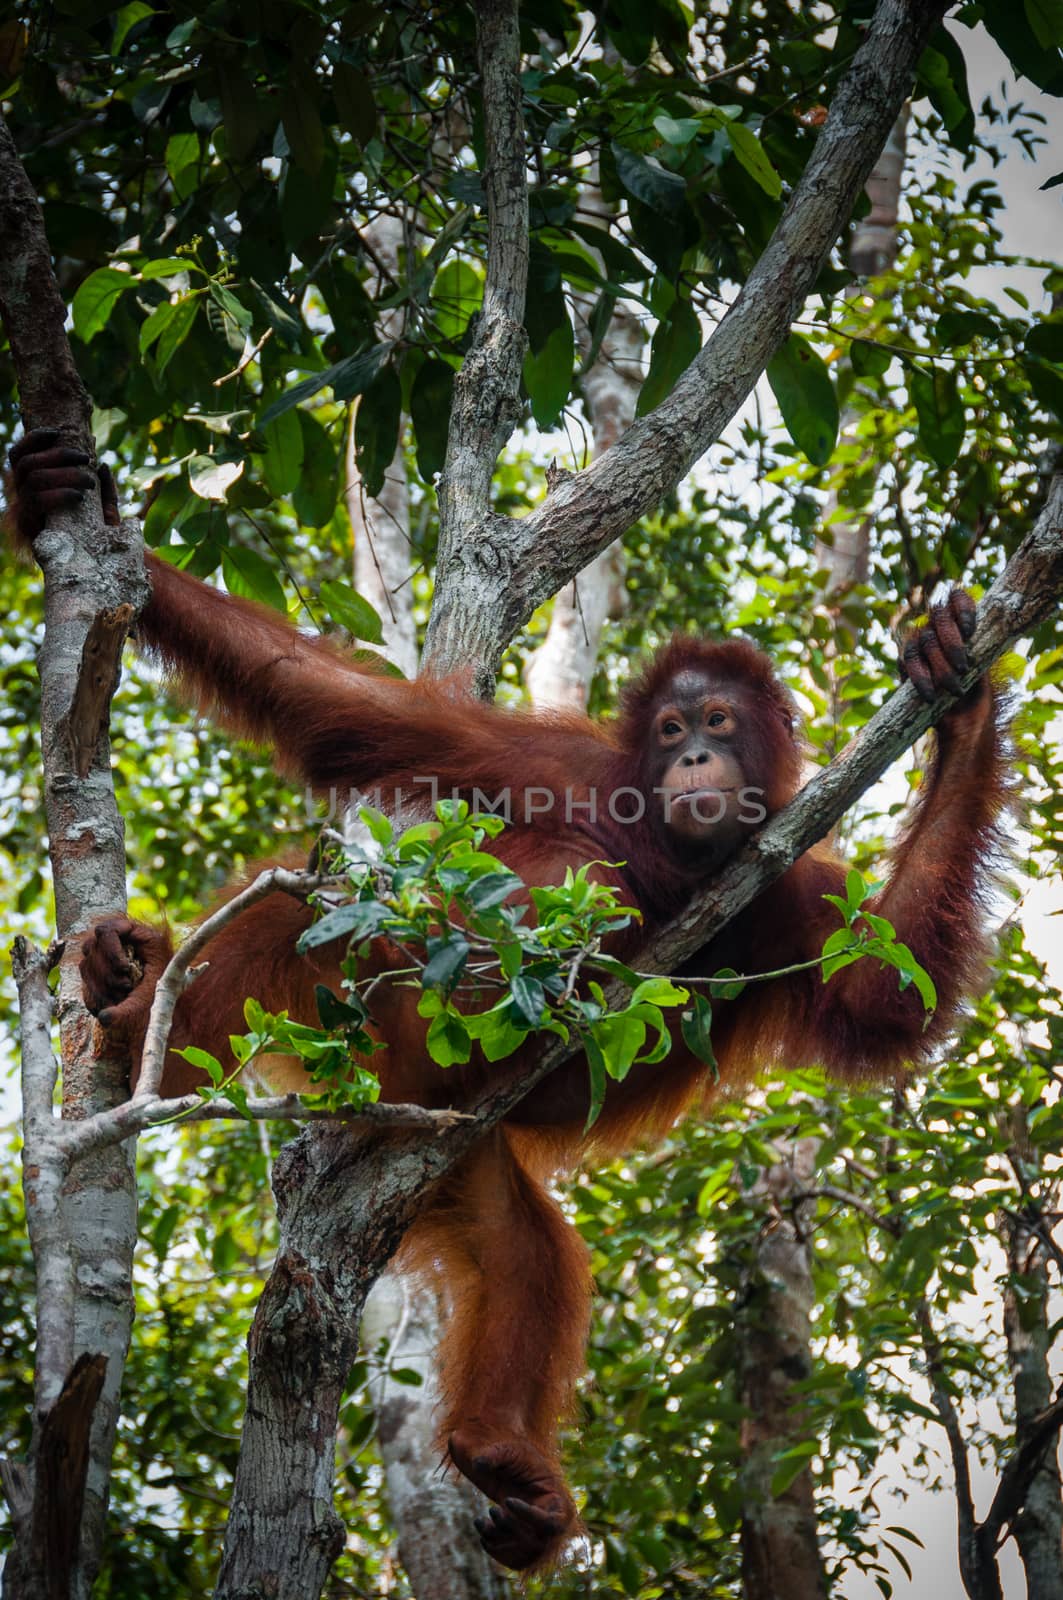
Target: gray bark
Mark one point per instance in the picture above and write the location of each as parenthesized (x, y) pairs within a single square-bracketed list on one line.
[(1038, 1524), (83, 1252), (559, 672), (1038, 1527), (380, 524), (493, 572), (432, 1510), (846, 550), (487, 403), (781, 1558)]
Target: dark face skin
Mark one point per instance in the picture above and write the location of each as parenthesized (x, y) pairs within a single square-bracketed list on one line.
[(695, 736)]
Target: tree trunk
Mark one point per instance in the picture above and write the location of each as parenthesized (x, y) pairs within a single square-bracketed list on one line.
[(872, 250), (781, 1558), (432, 1510), (1038, 1528), (559, 672), (81, 1216)]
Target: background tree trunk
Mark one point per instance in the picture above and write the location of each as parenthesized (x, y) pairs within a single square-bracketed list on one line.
[(846, 552), (1038, 1528), (380, 524), (432, 1509), (559, 673), (781, 1559)]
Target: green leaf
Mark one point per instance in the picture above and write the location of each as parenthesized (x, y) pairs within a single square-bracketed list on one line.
[(176, 331), (302, 122), (211, 478), (431, 399), (620, 1036), (239, 108), (527, 1000), (678, 131), (282, 459), (696, 1026), (349, 377), (96, 298), (249, 575), (801, 384), (675, 344), (645, 179), (869, 360), (314, 496), (166, 267), (1046, 381), (169, 508), (792, 1463), (336, 1013), (357, 920), (960, 327), (750, 153), (182, 162), (353, 95), (153, 325), (282, 317), (548, 374), (942, 75), (457, 295), (446, 961), (1045, 341), (448, 1039), (857, 888), (125, 19), (204, 1060), (598, 1080), (716, 1182), (345, 606), (492, 889), (942, 423), (376, 429), (659, 992), (1046, 19)]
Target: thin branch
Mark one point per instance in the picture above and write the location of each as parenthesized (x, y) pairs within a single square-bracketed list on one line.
[(967, 1526), (175, 978), (1019, 1472), (855, 1202), (138, 1115)]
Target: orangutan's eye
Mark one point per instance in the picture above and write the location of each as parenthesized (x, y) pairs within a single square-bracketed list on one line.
[(717, 719), (671, 728)]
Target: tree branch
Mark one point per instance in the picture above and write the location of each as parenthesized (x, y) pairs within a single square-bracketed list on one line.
[(967, 1527), (1019, 1472), (175, 978), (493, 573), (487, 402)]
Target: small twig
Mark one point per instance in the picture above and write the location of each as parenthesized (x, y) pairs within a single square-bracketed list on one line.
[(172, 984), (245, 360), (844, 1197)]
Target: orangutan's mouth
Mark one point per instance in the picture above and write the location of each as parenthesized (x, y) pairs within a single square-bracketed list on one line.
[(690, 795)]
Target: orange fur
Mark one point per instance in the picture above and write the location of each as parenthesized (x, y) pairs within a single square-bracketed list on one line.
[(516, 1271)]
